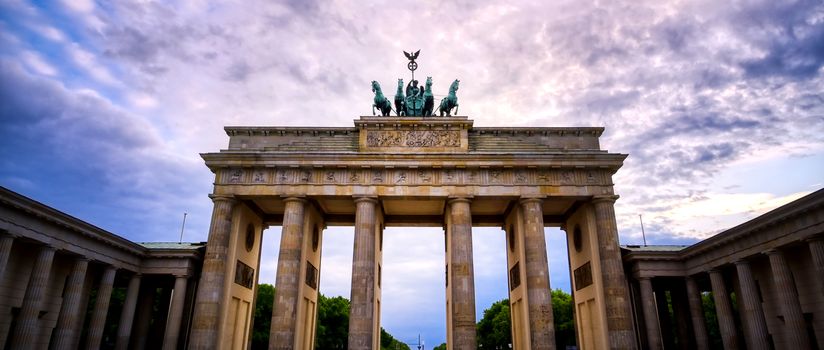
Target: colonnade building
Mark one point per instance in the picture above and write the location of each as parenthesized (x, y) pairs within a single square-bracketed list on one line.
[(765, 278), (58, 273)]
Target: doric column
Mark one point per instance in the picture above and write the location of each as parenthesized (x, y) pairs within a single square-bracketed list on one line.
[(124, 328), (755, 327), (143, 315), (362, 307), (539, 297), (25, 332), (6, 241), (69, 321), (206, 319), (287, 282), (101, 308), (699, 325), (616, 292), (175, 314), (650, 314), (461, 274), (816, 244), (726, 322), (795, 329)]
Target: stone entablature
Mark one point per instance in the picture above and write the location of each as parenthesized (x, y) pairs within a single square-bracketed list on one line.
[(413, 156), (414, 176)]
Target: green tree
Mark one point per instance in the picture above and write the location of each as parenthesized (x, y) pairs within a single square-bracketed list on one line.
[(495, 329), (263, 316), (333, 323), (713, 332), (440, 347), (562, 315), (332, 328)]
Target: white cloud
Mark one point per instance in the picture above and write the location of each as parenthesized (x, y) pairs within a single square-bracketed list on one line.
[(82, 6), (143, 100), (48, 32), (36, 62), (88, 61), (714, 212)]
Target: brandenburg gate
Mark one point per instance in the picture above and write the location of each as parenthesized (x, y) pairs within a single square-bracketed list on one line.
[(412, 171)]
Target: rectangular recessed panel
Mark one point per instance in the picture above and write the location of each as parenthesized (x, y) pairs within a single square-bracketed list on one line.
[(583, 276), (244, 275), (311, 275), (514, 277)]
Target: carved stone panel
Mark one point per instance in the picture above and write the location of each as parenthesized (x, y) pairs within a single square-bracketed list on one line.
[(413, 138), (260, 176), (447, 135), (415, 176)]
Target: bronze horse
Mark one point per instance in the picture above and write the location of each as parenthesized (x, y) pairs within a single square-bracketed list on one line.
[(450, 101), (381, 102), (400, 104), (428, 98)]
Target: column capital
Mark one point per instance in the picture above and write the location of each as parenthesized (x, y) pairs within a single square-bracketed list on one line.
[(83, 258), (605, 198), (459, 199), (370, 199), (644, 278), (48, 247), (814, 238), (287, 199), (713, 271), (181, 275), (525, 200), (773, 251), (222, 197), (742, 261)]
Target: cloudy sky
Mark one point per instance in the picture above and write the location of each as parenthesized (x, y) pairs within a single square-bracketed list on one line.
[(104, 107)]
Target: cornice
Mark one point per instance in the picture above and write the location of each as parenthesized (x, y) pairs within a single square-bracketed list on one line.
[(72, 223)]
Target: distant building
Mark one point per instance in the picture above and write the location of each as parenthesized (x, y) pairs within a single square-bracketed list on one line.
[(58, 275), (765, 278)]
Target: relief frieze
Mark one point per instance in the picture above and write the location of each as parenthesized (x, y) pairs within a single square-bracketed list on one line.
[(417, 176), (413, 138), (259, 176)]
